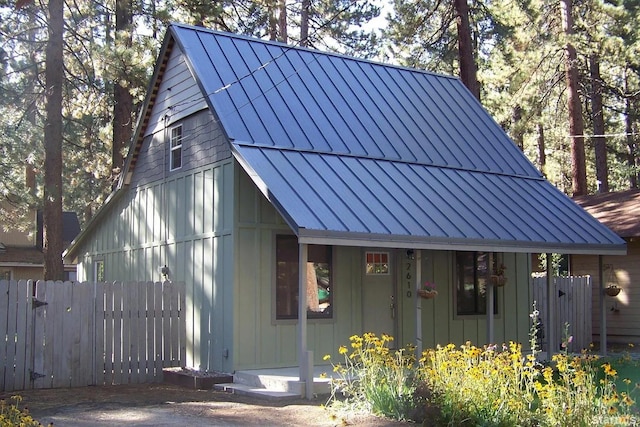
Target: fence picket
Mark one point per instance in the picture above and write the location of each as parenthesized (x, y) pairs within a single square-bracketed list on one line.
[(118, 335), (150, 334), (159, 333), (4, 303), (23, 334), (132, 321), (12, 316), (106, 358)]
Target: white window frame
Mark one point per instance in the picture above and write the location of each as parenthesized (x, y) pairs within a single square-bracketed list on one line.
[(175, 146)]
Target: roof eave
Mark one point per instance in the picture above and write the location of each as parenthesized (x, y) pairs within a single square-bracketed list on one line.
[(70, 253), (434, 243)]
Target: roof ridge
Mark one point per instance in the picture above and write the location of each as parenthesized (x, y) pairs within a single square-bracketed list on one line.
[(288, 47)]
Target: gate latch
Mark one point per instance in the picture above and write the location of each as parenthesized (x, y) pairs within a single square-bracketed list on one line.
[(35, 375), (37, 303)]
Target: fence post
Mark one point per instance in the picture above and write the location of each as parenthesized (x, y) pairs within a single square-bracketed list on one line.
[(551, 308), (603, 308)]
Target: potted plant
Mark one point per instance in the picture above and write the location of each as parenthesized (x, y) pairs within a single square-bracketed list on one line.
[(428, 290), (497, 277), (612, 290)]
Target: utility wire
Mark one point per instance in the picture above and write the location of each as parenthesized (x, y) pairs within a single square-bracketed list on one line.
[(285, 50)]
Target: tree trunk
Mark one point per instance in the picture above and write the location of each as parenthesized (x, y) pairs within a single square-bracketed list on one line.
[(468, 73), (52, 218), (123, 100), (272, 10), (576, 124), (599, 140), (304, 23), (282, 22), (518, 134), (631, 145), (542, 156)]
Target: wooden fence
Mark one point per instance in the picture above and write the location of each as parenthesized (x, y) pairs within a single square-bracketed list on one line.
[(69, 334), (573, 303)]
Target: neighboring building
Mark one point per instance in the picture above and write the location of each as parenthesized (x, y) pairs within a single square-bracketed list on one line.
[(21, 255), (260, 171), (620, 212)]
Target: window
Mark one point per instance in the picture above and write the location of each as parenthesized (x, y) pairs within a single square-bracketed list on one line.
[(472, 270), (319, 280), (98, 271), (176, 147), (377, 263)]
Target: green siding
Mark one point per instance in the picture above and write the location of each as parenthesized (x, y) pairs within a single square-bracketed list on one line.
[(441, 326), (185, 223), (260, 341)]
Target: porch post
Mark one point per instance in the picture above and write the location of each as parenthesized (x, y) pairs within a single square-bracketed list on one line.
[(551, 308), (490, 322), (305, 362), (603, 308), (418, 256)]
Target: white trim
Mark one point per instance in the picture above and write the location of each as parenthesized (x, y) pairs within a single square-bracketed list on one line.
[(177, 147)]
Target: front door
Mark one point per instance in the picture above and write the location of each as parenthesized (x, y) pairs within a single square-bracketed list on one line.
[(379, 305)]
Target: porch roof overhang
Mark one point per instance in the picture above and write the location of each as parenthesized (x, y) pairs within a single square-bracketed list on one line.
[(338, 199)]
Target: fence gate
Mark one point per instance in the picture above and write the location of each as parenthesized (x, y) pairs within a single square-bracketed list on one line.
[(573, 304), (70, 334)]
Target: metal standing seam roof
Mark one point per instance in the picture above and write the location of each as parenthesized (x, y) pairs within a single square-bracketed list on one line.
[(359, 153)]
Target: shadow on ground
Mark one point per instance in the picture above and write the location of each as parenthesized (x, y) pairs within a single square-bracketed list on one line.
[(170, 405)]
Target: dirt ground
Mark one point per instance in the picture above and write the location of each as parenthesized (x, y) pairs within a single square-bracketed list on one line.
[(170, 405)]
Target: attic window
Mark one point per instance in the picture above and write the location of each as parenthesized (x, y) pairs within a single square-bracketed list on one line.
[(176, 148)]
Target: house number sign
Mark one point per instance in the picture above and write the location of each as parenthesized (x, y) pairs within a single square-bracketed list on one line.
[(408, 265)]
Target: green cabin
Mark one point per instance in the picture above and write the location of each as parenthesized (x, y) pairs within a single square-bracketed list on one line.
[(260, 172)]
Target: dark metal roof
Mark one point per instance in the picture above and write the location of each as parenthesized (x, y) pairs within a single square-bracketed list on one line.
[(356, 152)]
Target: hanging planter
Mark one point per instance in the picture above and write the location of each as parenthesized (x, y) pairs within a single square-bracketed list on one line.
[(498, 280), (427, 294), (612, 290)]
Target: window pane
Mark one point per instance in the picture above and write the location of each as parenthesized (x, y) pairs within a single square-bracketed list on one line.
[(472, 269), (377, 263), (319, 289)]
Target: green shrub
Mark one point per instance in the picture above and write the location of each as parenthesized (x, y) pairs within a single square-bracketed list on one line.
[(375, 379)]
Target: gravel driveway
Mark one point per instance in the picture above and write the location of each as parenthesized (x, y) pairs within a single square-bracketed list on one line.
[(169, 405)]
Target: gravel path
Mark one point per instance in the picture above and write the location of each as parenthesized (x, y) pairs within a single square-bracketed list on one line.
[(169, 405)]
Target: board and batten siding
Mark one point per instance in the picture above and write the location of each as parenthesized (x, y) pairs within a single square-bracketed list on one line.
[(623, 310), (440, 323), (260, 340), (184, 223)]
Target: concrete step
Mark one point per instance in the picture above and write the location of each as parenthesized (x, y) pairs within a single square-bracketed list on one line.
[(276, 382), (263, 393)]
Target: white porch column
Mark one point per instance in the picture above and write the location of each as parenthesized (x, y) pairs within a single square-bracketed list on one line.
[(551, 309), (490, 308), (603, 308), (419, 345), (305, 361)]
